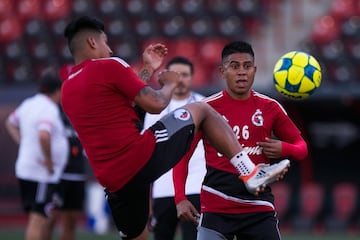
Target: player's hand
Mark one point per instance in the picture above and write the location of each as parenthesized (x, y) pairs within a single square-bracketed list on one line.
[(154, 55), (187, 212), (168, 77), (271, 148)]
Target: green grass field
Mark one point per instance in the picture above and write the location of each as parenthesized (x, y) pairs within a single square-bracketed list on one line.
[(17, 234)]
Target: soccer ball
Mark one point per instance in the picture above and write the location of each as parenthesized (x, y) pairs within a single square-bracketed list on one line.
[(297, 75)]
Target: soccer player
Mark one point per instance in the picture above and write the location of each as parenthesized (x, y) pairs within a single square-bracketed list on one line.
[(37, 127), (164, 215), (100, 96), (227, 207)]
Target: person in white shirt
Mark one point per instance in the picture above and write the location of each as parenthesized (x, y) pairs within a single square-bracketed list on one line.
[(37, 127), (164, 218)]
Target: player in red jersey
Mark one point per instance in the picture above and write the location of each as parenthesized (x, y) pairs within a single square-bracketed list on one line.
[(99, 98), (227, 208)]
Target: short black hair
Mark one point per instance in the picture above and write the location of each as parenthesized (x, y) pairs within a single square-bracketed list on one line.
[(236, 47), (181, 60), (49, 83), (81, 24)]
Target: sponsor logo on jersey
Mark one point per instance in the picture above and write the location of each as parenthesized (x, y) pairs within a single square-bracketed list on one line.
[(257, 118), (182, 114)]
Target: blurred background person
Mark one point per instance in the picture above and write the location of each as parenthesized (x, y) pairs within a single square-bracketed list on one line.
[(37, 127), (71, 189), (164, 220)]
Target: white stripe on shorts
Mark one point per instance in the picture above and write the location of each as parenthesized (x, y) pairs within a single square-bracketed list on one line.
[(161, 135)]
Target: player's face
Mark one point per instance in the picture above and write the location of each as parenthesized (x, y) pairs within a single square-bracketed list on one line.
[(239, 70), (184, 86), (104, 49)]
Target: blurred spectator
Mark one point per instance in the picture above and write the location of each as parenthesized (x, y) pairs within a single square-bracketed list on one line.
[(71, 189), (37, 127), (164, 220)]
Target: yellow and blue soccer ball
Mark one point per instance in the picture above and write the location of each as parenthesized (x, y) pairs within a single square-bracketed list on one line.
[(297, 75)]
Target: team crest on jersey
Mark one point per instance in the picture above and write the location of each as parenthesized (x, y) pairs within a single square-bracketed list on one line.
[(257, 118), (182, 114)]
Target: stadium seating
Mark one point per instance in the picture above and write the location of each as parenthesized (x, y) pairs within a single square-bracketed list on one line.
[(129, 23), (337, 36), (343, 209), (311, 203), (282, 194)]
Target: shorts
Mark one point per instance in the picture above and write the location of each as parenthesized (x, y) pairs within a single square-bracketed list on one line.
[(254, 226), (37, 196), (71, 195), (130, 205)]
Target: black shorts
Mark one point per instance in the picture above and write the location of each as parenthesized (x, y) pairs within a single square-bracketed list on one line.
[(71, 195), (36, 196), (130, 205), (255, 226)]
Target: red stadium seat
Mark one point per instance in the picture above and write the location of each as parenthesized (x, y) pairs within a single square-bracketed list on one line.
[(56, 9), (345, 200), (310, 207), (210, 50), (282, 195), (187, 47), (342, 9), (202, 75), (28, 9), (325, 29), (344, 196), (6, 8), (10, 29)]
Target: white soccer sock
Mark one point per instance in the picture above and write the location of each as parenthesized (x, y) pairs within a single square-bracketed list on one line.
[(242, 163)]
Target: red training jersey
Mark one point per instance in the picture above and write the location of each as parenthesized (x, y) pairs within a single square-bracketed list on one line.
[(252, 120), (98, 99)]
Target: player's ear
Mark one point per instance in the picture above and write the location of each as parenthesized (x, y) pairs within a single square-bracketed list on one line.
[(221, 69), (91, 41)]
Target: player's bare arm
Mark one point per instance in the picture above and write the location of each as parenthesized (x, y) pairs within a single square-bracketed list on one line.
[(155, 100), (45, 143), (13, 131), (145, 74)]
